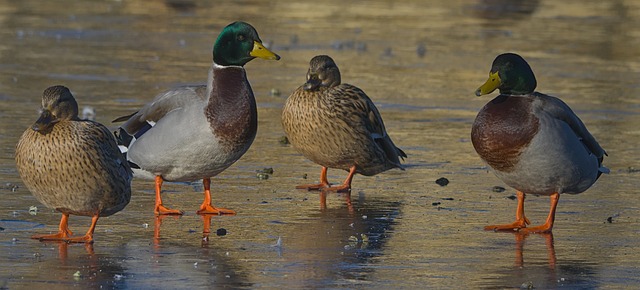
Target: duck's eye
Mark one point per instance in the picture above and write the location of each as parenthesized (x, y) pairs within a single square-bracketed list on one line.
[(240, 37), (493, 79)]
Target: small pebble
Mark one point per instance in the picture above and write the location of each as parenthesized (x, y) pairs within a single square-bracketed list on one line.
[(527, 285), (436, 203), (442, 181), (221, 232), (262, 176), (498, 189), (275, 92), (610, 219), (421, 50), (512, 197), (284, 140)]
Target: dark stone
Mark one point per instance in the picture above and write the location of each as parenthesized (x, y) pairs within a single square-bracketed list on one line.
[(442, 181)]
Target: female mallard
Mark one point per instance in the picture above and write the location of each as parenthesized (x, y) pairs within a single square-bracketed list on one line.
[(533, 142), (73, 166), (337, 126), (195, 132)]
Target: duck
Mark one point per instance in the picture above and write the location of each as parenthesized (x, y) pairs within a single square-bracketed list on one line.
[(533, 142), (190, 133), (336, 125), (71, 165)]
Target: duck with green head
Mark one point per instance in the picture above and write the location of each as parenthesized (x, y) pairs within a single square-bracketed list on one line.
[(195, 132), (336, 125), (534, 142), (71, 165)]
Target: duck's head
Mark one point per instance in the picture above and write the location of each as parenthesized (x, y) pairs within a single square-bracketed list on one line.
[(237, 44), (511, 74), (323, 72), (57, 105)]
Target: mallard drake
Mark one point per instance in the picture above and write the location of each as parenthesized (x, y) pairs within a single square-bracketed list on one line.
[(73, 166), (196, 132), (337, 125), (534, 142)]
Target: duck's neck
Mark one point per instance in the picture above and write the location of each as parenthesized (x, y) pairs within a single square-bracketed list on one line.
[(231, 109)]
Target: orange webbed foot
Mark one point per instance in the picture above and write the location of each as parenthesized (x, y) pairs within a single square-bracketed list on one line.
[(310, 187), (60, 236), (84, 239), (518, 225), (207, 209), (162, 210), (537, 229)]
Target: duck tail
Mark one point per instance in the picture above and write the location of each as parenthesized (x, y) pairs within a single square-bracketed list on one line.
[(123, 139)]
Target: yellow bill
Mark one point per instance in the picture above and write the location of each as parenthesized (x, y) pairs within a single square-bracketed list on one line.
[(490, 85), (262, 52)]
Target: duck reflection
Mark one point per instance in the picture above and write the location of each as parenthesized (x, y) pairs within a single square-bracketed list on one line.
[(347, 200), (334, 246), (79, 267), (551, 251), (542, 273)]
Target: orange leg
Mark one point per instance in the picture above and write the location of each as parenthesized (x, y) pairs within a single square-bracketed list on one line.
[(64, 234), (521, 221), (63, 231), (159, 208), (88, 237), (346, 185), (324, 183), (207, 207), (548, 225)]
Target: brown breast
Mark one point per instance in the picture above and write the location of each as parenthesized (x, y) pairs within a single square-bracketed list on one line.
[(503, 129)]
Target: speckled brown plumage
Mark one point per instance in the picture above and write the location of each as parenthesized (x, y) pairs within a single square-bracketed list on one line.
[(336, 125), (71, 165)]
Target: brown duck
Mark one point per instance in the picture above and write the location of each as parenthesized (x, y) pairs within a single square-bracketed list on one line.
[(73, 166), (337, 125)]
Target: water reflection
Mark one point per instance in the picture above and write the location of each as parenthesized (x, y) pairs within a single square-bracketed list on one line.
[(496, 9), (531, 270), (191, 263), (76, 265), (323, 200), (337, 246)]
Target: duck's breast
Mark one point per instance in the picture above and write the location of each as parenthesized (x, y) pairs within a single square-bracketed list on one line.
[(503, 129)]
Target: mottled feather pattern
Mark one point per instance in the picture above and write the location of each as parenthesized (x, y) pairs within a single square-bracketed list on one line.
[(335, 127), (76, 168)]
